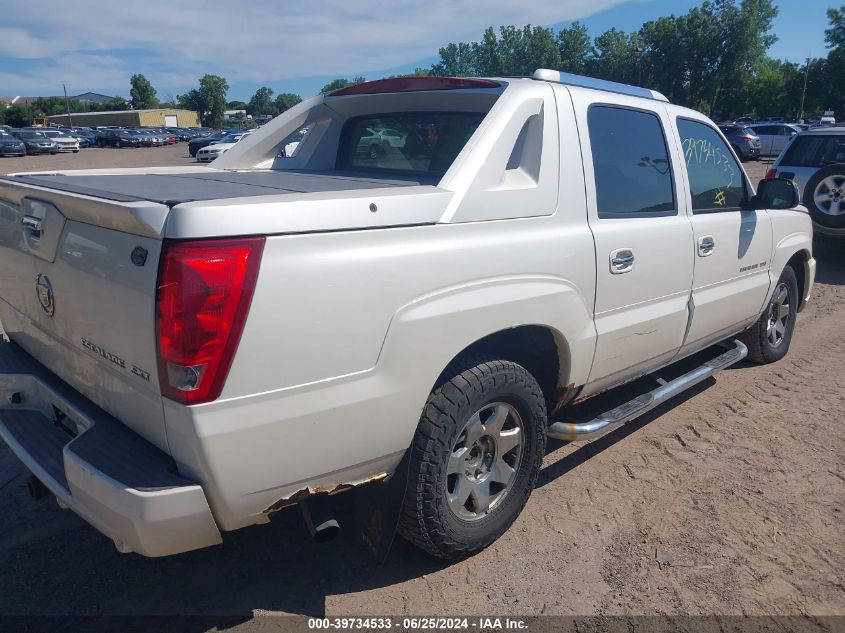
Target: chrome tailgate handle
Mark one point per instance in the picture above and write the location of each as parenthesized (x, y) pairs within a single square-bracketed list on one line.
[(32, 224)]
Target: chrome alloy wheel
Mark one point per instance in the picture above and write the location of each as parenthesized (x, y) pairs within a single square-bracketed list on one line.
[(482, 465), (778, 316), (829, 195)]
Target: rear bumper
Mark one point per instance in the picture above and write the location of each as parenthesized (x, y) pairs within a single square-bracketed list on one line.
[(111, 477)]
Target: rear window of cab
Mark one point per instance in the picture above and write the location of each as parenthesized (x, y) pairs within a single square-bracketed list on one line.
[(424, 143)]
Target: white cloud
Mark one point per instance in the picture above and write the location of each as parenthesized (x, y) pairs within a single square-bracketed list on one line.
[(262, 41)]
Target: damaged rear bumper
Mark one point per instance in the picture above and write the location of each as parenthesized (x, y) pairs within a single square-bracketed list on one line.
[(115, 480)]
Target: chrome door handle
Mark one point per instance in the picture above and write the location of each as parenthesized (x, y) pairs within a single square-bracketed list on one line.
[(706, 244), (621, 261)]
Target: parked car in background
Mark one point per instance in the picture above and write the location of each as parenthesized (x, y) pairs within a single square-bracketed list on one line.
[(744, 142), (36, 142), (774, 136), (815, 162), (213, 150), (117, 138), (10, 145), (198, 143), (65, 141)]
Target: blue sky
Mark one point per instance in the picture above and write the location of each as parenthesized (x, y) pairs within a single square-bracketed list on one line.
[(297, 46)]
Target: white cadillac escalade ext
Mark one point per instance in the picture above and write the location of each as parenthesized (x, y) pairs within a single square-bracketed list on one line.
[(431, 277)]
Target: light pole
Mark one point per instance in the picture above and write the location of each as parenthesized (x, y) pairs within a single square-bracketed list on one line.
[(804, 91), (638, 53), (67, 107)]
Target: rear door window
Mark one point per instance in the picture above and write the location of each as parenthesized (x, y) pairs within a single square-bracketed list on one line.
[(631, 163), (716, 180), (815, 150), (415, 143)]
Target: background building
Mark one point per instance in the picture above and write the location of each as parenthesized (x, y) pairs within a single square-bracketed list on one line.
[(158, 117)]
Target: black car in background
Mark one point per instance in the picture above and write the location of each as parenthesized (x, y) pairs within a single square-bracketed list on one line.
[(117, 138), (10, 145), (35, 142), (743, 140)]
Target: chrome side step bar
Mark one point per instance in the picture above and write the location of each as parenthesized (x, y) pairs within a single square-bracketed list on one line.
[(613, 419)]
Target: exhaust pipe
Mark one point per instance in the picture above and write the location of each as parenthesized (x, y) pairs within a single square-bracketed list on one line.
[(319, 519), (36, 489)]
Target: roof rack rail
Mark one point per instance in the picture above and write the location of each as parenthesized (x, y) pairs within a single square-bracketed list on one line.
[(557, 76)]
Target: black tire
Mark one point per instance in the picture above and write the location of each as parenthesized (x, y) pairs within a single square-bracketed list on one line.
[(739, 153), (427, 519), (761, 349), (818, 215), (118, 144), (76, 151)]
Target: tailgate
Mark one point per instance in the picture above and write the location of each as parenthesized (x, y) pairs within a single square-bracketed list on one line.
[(77, 291)]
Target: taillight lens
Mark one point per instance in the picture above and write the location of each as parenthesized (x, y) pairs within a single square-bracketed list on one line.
[(747, 137), (204, 292), (772, 173)]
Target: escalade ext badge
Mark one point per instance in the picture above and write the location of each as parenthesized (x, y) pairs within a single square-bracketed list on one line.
[(44, 290)]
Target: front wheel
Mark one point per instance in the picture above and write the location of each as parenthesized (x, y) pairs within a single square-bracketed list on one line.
[(768, 340), (475, 458)]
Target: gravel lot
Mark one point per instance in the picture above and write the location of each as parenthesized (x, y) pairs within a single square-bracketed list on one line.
[(730, 501), (95, 158)]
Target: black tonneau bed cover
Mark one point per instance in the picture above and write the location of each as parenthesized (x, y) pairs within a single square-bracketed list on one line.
[(172, 189)]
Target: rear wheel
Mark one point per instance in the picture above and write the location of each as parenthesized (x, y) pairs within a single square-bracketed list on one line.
[(119, 144), (475, 457), (769, 339), (824, 196)]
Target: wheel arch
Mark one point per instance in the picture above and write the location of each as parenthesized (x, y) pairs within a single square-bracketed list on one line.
[(542, 350), (795, 250)]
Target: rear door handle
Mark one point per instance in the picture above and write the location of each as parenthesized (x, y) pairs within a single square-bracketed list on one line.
[(621, 261), (706, 244)]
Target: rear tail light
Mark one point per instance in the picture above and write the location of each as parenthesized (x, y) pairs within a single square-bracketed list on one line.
[(204, 292), (772, 173), (747, 137)]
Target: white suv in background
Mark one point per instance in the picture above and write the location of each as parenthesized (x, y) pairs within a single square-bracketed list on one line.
[(815, 161)]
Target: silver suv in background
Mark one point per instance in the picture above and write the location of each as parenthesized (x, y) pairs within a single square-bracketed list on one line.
[(815, 161), (744, 142), (774, 136)]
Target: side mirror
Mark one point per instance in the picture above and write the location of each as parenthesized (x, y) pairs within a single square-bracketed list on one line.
[(776, 193)]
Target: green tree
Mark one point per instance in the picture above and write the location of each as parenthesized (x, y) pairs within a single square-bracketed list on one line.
[(286, 100), (613, 58), (262, 103), (2, 113), (236, 105), (117, 103), (456, 60), (142, 93), (574, 47), (19, 115), (208, 101), (834, 36), (339, 83)]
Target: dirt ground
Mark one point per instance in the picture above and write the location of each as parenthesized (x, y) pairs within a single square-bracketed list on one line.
[(729, 501)]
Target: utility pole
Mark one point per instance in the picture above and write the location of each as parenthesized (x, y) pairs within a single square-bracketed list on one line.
[(67, 107), (804, 91), (638, 53)]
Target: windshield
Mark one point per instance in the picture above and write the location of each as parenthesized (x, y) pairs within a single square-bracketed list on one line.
[(425, 142), (815, 150), (32, 135)]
